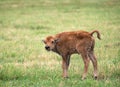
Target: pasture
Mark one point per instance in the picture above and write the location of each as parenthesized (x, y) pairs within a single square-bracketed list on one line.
[(24, 23)]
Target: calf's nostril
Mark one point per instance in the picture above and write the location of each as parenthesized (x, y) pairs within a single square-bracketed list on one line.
[(47, 47)]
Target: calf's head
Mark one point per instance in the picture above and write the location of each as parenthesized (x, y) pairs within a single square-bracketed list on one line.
[(50, 43)]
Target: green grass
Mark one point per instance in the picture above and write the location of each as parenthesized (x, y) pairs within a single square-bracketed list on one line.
[(24, 23)]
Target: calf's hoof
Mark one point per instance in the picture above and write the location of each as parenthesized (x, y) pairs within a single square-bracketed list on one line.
[(65, 77), (95, 77), (83, 78)]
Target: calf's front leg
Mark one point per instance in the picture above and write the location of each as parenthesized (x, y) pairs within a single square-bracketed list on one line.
[(65, 65)]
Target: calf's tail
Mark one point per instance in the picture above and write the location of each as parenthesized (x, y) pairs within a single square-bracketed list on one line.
[(98, 34)]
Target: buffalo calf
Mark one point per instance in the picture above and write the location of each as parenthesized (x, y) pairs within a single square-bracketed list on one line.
[(68, 43)]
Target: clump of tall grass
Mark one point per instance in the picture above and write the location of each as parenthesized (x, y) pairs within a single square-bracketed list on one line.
[(11, 72)]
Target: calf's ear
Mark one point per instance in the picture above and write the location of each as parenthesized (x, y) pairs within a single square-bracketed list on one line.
[(56, 40), (43, 41)]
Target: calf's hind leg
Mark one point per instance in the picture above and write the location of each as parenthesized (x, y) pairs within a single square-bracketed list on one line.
[(94, 62), (86, 64)]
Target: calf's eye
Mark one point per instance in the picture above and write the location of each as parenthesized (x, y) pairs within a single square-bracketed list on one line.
[(52, 41)]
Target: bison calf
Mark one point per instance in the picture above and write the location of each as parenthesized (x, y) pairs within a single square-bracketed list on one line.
[(68, 43)]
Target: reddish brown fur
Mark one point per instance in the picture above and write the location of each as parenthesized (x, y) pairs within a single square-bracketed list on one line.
[(68, 43)]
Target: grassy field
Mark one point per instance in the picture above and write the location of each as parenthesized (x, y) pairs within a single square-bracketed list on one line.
[(24, 23)]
